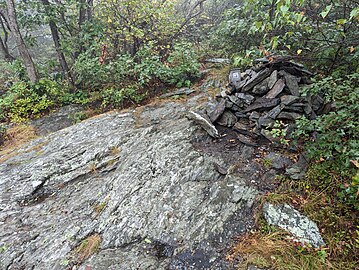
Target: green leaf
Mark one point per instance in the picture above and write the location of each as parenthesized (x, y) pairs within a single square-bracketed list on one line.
[(341, 21), (354, 14), (284, 9), (325, 12)]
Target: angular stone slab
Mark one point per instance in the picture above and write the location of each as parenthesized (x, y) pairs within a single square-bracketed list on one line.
[(273, 79), (259, 77), (262, 88), (277, 89), (292, 84), (288, 99), (273, 113), (204, 122), (218, 111), (179, 92), (227, 119), (289, 219), (289, 116), (248, 99), (263, 104)]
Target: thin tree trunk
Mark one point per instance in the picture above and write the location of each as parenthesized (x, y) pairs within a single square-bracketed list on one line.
[(89, 9), (7, 56), (56, 39), (3, 41), (20, 44)]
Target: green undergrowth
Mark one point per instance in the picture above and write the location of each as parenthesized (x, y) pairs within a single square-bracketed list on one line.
[(328, 194), (115, 83)]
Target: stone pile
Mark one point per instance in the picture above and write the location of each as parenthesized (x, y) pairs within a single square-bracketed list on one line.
[(261, 95)]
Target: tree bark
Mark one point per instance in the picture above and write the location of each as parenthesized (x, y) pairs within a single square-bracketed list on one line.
[(20, 44), (56, 39), (3, 41), (7, 56), (89, 9)]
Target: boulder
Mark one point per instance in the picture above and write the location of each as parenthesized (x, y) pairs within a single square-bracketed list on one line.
[(289, 219)]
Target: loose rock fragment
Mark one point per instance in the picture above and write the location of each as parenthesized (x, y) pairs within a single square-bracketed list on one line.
[(204, 122), (218, 111), (277, 89), (289, 219), (227, 119)]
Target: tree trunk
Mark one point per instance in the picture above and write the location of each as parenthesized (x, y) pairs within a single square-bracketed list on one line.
[(7, 56), (56, 39), (89, 9), (20, 44)]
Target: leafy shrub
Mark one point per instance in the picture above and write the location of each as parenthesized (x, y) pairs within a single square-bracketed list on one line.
[(183, 66), (337, 131), (115, 97), (124, 77), (23, 100), (333, 138)]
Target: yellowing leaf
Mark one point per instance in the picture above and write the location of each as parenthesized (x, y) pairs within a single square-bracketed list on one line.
[(299, 51)]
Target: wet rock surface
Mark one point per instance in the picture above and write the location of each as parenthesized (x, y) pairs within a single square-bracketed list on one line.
[(149, 173), (289, 219), (56, 120)]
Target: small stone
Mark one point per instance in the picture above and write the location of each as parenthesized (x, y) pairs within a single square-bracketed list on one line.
[(272, 79), (278, 161), (263, 104), (204, 122), (254, 116), (227, 119), (289, 219), (288, 99), (261, 88), (241, 115), (223, 94), (273, 113), (265, 121), (248, 99), (228, 104), (297, 109), (289, 116), (236, 108), (277, 89), (241, 126), (218, 111), (298, 170), (316, 102), (36, 184), (246, 140), (259, 77), (235, 100)]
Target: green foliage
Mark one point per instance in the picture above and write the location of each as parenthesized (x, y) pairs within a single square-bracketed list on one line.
[(294, 27), (125, 77), (349, 192), (333, 138), (338, 131), (24, 101), (134, 23), (115, 97), (183, 66)]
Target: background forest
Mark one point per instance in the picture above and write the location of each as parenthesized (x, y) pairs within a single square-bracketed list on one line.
[(108, 54)]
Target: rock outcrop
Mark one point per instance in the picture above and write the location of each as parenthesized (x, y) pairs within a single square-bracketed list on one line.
[(136, 180)]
